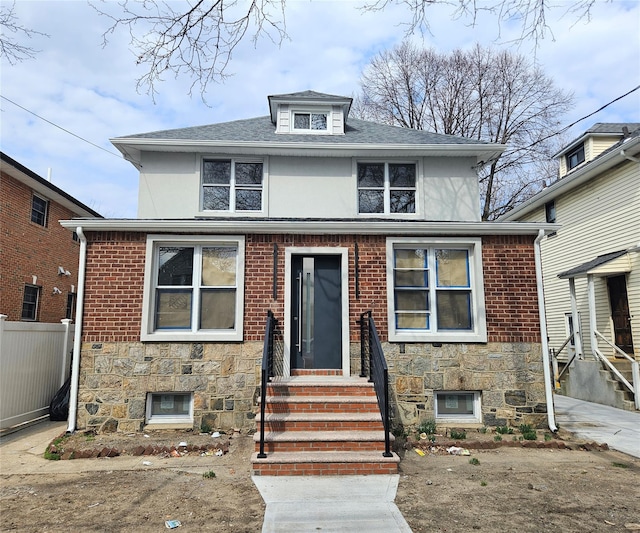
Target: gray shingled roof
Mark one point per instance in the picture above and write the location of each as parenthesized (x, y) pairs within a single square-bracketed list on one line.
[(310, 95), (261, 129), (590, 265), (613, 127)]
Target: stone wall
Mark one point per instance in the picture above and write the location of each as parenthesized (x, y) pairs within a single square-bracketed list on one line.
[(116, 377), (509, 377)]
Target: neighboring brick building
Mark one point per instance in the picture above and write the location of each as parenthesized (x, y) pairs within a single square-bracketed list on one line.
[(38, 257)]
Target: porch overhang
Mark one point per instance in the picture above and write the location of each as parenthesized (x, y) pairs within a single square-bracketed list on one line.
[(611, 264)]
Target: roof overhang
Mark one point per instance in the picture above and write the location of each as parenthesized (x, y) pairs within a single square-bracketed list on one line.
[(311, 227), (612, 264), (576, 178), (131, 149)]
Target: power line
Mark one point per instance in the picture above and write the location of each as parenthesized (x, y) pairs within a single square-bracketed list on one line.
[(61, 128)]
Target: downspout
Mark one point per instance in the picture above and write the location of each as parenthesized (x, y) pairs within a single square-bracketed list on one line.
[(546, 365), (629, 157), (77, 337)]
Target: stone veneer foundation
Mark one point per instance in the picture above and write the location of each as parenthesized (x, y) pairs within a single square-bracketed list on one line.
[(225, 378)]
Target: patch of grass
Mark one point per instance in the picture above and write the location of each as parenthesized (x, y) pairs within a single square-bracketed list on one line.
[(620, 465), (497, 438), (55, 450), (504, 430), (483, 483), (427, 426), (458, 435), (209, 475), (547, 437), (474, 461)]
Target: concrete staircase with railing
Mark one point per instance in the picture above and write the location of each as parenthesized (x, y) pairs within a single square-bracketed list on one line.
[(322, 425)]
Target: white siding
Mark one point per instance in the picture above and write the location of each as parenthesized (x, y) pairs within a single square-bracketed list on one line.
[(600, 217)]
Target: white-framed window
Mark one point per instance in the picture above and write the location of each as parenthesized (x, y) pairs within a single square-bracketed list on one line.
[(194, 288), (30, 302), (386, 188), (169, 408), (435, 290), (233, 185), (457, 406), (39, 210), (303, 121)]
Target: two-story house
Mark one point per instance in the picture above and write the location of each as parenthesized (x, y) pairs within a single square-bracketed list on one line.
[(592, 265), (319, 218)]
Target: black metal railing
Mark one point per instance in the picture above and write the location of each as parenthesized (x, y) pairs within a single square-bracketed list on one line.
[(266, 372), (373, 364)]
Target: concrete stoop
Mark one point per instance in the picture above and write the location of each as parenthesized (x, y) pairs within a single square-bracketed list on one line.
[(322, 425)]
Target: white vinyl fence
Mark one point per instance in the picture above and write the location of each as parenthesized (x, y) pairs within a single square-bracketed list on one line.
[(35, 361)]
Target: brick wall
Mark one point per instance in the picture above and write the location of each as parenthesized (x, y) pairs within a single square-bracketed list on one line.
[(115, 277), (29, 250)]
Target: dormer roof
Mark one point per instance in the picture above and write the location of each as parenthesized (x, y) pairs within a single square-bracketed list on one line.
[(308, 98)]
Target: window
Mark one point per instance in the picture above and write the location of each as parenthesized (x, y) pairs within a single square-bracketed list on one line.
[(435, 290), (170, 408), (550, 211), (575, 157), (457, 406), (315, 122), (386, 188), (74, 237), (30, 302), (193, 289), (232, 185), (71, 305), (39, 210)]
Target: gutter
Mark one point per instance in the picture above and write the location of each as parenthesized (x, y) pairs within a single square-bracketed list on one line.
[(546, 364), (629, 157), (77, 338)]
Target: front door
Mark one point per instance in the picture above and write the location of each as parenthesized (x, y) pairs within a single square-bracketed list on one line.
[(620, 312), (316, 312)]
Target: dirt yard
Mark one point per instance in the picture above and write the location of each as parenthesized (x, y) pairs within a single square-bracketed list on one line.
[(506, 489)]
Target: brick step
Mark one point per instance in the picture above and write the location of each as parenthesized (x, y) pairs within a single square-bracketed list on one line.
[(324, 463), (320, 404), (279, 422), (310, 441), (320, 386)]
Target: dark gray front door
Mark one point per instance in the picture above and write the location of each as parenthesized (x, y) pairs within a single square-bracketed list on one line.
[(620, 312), (316, 308)]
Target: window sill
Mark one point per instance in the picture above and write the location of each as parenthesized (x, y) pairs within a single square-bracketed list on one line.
[(185, 336), (151, 426), (395, 336)]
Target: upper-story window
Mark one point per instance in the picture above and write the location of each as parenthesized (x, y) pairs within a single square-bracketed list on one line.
[(39, 210), (310, 122), (575, 157), (30, 302), (550, 211), (386, 188), (232, 185)]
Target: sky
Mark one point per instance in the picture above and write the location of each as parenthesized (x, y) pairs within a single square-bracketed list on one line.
[(76, 84)]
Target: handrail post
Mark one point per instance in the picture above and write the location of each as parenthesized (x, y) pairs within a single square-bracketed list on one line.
[(363, 373)]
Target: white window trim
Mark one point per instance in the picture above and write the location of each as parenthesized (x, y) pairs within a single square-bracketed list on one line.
[(476, 281), (387, 188), (148, 299), (232, 188), (156, 420), (310, 111), (476, 418)]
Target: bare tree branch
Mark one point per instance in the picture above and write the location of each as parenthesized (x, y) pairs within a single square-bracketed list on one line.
[(480, 94), (197, 41), (10, 33), (531, 15)]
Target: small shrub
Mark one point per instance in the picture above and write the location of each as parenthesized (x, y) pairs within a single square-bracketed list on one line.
[(205, 428), (504, 430), (209, 475), (483, 430), (528, 433), (497, 438), (547, 437), (474, 461), (483, 483), (427, 426), (458, 435)]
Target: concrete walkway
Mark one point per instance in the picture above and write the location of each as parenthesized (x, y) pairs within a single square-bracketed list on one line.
[(618, 428), (301, 504)]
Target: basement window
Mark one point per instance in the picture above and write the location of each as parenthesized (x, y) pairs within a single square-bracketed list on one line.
[(170, 408), (457, 406)]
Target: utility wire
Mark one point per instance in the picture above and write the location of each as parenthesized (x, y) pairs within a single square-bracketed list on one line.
[(119, 156)]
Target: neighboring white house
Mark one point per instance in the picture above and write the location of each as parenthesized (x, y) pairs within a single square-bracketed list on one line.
[(591, 266)]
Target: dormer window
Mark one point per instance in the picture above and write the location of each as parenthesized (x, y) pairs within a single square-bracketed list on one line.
[(575, 157), (310, 122)]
